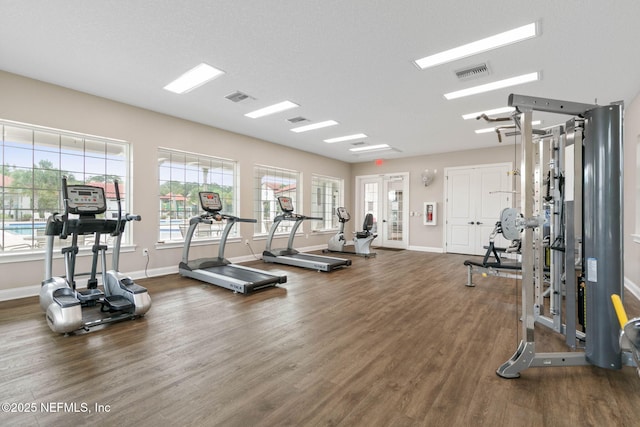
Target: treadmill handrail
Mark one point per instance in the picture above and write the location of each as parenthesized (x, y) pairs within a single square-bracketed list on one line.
[(209, 218), (287, 216)]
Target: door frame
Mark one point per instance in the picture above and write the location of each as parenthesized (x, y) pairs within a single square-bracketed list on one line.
[(445, 192), (359, 205)]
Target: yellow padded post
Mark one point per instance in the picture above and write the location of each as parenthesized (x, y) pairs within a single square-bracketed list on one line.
[(622, 314)]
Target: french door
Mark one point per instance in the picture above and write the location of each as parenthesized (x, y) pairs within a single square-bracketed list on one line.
[(475, 196), (386, 197)]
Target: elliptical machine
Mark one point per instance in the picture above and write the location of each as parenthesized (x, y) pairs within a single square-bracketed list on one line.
[(63, 304), (361, 239)]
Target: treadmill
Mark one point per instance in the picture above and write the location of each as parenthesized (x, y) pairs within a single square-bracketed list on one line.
[(290, 256), (220, 271)]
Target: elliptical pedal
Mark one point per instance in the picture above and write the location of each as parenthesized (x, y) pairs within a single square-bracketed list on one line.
[(117, 303), (89, 297)]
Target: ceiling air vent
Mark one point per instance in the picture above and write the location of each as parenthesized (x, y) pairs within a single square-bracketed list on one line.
[(238, 96), (355, 144), (473, 72), (297, 119)]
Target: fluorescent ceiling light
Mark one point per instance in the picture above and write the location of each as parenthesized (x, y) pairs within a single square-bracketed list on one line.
[(501, 110), (371, 148), (313, 126), (272, 109), (508, 37), (487, 130), (500, 84), (197, 76), (345, 138)]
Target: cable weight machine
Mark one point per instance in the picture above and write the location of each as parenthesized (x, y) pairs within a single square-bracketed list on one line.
[(583, 246)]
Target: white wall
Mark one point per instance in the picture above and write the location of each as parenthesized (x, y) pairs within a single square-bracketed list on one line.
[(34, 102), (427, 237), (630, 195), (31, 101)]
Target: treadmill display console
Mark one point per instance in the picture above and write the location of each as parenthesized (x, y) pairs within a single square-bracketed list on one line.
[(286, 204), (210, 201)]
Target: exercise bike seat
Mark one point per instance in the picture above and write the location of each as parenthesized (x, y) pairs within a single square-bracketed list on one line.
[(367, 225)]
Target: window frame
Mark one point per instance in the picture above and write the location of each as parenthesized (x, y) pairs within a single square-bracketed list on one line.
[(47, 154), (180, 165), (330, 221), (263, 190), (636, 236)]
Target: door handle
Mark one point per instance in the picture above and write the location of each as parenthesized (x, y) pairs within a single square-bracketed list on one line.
[(479, 223), (471, 222)]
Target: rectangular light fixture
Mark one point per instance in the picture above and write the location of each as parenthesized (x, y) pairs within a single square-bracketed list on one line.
[(500, 84), (508, 37), (487, 130), (272, 109), (313, 126), (195, 77), (378, 147), (346, 138), (501, 110)]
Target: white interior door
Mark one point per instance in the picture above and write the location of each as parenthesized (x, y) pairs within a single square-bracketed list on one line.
[(475, 197), (386, 197)]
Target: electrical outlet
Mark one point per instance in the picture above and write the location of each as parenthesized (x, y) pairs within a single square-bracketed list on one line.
[(246, 242), (145, 252)]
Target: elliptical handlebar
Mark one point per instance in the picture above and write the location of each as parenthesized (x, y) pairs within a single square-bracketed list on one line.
[(65, 216), (116, 185)]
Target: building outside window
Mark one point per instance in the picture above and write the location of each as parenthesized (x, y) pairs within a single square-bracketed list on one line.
[(269, 184), (181, 176), (33, 160), (326, 197)]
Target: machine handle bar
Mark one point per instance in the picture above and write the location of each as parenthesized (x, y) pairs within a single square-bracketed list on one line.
[(65, 216), (219, 217), (298, 217)]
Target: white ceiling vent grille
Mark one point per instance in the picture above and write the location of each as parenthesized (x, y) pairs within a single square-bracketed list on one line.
[(238, 96), (473, 72), (297, 119)]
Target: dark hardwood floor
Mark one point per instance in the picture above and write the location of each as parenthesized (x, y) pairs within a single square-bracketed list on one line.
[(396, 340)]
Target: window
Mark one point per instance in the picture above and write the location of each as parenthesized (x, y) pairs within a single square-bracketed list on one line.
[(33, 160), (326, 197), (181, 176), (636, 237), (269, 184)]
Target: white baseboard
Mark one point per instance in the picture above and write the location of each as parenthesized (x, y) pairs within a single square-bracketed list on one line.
[(632, 287), (34, 290), (21, 292), (426, 249)]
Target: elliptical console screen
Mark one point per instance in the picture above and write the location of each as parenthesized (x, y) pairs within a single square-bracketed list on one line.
[(210, 201), (286, 204), (86, 199)]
